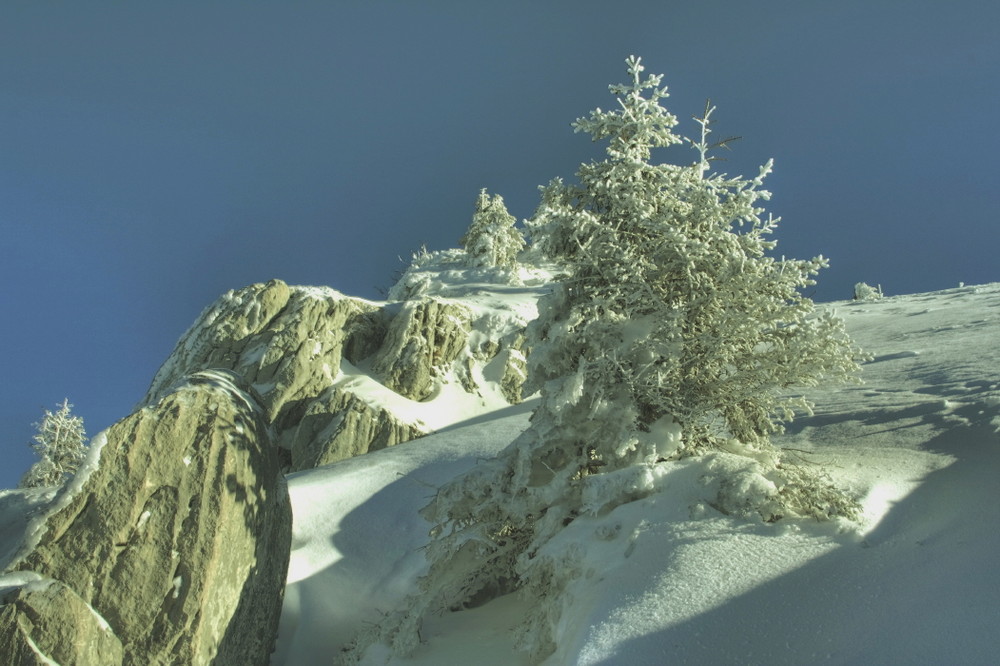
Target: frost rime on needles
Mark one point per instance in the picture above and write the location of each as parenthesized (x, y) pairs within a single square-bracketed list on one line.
[(61, 445), (492, 239), (673, 335)]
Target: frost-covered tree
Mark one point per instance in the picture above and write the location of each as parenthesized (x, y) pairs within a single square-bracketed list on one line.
[(60, 444), (491, 239), (672, 307), (866, 292), (674, 334)]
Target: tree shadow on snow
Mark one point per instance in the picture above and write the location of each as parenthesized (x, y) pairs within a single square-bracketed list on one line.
[(922, 588)]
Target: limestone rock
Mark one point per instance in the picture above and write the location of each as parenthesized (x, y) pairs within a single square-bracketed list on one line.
[(47, 622), (294, 345), (423, 339), (515, 368), (179, 537), (288, 342), (338, 425)]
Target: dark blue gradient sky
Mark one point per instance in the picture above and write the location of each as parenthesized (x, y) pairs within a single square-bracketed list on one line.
[(155, 155)]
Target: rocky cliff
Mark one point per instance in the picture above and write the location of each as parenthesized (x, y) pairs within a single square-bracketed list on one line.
[(321, 361), (170, 546)]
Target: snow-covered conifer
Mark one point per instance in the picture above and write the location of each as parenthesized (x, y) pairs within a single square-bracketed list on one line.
[(674, 334), (866, 292), (61, 445), (492, 239)]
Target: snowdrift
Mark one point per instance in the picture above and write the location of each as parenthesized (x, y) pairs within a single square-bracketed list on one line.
[(667, 578)]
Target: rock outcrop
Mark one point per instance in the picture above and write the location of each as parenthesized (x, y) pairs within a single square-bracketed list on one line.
[(175, 536), (505, 362), (287, 342), (171, 545), (338, 424), (424, 338), (292, 343), (46, 621)]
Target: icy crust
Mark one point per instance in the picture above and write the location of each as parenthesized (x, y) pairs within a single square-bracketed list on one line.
[(22, 579)]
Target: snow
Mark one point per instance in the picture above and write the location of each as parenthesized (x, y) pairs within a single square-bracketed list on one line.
[(12, 511), (22, 579), (449, 404), (18, 508), (356, 534), (39, 655), (667, 578), (498, 309)]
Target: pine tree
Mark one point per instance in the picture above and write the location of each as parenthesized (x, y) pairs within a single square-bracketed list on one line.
[(672, 305), (491, 239), (60, 444), (673, 334)]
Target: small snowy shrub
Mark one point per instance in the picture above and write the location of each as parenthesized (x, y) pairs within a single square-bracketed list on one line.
[(492, 239), (864, 292), (673, 334), (61, 445)]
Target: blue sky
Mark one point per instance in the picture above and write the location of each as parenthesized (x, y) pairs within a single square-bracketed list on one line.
[(155, 155)]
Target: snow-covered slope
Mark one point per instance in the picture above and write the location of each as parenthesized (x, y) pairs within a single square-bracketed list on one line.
[(668, 579)]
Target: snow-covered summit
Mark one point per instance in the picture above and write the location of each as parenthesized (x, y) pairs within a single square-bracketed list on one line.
[(448, 274)]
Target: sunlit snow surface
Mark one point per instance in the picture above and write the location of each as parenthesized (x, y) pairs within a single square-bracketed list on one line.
[(669, 580)]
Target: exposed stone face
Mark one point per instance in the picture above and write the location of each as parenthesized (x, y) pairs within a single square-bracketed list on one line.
[(49, 621), (172, 546), (180, 537), (287, 342), (338, 425), (515, 367), (423, 339), (290, 343)]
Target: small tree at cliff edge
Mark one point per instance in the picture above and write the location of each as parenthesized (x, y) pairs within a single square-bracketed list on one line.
[(61, 445)]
